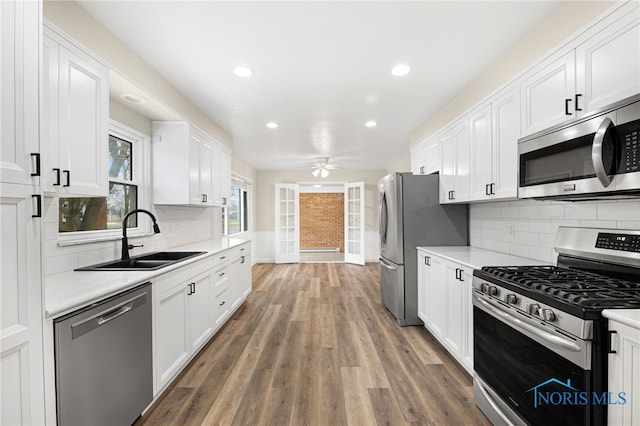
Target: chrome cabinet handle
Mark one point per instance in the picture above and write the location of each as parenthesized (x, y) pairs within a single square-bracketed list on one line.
[(596, 152)]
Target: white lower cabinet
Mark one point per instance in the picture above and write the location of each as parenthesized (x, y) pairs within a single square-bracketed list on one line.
[(221, 298), (444, 304), (190, 305), (624, 366)]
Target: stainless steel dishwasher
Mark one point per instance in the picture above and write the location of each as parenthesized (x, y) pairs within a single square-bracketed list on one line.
[(104, 360)]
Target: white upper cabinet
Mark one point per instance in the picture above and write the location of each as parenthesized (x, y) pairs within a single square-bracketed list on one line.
[(608, 64), (454, 173), (494, 129), (425, 158), (481, 158), (544, 94), (20, 148), (75, 124), (604, 67), (189, 168)]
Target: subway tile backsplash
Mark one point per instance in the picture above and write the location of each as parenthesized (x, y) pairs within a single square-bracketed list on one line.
[(527, 228)]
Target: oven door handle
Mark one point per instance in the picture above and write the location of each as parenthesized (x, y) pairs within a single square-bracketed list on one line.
[(498, 311), (596, 152), (491, 401)]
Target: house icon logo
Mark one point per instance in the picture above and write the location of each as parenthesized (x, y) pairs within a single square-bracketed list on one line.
[(536, 392), (564, 393)]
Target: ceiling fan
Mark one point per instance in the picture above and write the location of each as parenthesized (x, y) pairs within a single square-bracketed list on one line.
[(321, 167)]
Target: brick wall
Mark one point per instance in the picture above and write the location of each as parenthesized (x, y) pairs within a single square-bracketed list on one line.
[(322, 220)]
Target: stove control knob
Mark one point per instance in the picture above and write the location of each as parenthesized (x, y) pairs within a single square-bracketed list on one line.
[(493, 291), (484, 288), (548, 315), (511, 299), (534, 309)]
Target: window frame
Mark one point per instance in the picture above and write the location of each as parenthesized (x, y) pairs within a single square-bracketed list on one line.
[(140, 177), (245, 207)]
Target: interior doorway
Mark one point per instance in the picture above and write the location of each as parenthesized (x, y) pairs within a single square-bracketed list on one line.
[(322, 223), (288, 236)]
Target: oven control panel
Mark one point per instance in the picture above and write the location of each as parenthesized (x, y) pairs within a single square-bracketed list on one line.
[(620, 242)]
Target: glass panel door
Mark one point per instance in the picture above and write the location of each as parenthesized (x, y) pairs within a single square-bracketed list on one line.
[(354, 223), (287, 223)]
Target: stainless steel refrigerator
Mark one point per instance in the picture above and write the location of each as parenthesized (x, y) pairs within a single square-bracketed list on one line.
[(410, 215)]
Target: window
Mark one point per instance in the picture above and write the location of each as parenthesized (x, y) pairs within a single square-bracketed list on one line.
[(235, 216), (96, 217)]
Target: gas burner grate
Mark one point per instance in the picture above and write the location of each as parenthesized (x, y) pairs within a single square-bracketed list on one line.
[(582, 289)]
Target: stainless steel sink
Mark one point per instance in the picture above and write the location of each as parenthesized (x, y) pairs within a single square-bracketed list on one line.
[(145, 262)]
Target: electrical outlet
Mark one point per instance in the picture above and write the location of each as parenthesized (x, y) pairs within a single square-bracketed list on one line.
[(510, 230)]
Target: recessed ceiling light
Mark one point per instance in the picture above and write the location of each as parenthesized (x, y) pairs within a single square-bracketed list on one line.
[(243, 71), (371, 123), (134, 99), (400, 70), (272, 125)]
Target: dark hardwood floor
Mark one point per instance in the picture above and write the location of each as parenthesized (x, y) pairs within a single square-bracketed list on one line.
[(313, 345)]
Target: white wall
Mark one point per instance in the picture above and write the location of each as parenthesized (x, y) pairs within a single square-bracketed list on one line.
[(535, 223)]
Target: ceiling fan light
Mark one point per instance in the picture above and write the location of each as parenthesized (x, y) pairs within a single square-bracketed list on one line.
[(315, 172), (324, 172)]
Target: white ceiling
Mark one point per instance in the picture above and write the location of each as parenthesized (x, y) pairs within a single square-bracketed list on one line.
[(322, 69)]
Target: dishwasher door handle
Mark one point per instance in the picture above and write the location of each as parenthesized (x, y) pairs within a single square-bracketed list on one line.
[(115, 314), (102, 318)]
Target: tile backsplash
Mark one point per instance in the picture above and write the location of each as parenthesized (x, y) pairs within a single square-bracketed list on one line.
[(178, 225), (528, 228)]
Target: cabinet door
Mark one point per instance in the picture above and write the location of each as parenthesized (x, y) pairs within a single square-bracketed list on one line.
[(245, 261), (200, 290), (437, 296), (423, 286), (235, 282), (222, 177), (506, 132), (19, 32), (467, 319), (22, 396), (544, 94), (83, 124), (454, 308), (624, 365), (481, 159), (608, 64), (461, 143), (418, 160), (447, 166), (172, 333), (432, 156)]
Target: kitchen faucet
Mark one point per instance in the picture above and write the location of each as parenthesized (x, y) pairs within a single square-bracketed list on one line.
[(125, 241)]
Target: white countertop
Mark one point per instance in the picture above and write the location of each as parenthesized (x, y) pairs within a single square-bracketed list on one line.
[(476, 258), (71, 290), (630, 317)]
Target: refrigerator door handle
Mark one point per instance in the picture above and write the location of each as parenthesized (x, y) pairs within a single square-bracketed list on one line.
[(387, 265), (383, 218)]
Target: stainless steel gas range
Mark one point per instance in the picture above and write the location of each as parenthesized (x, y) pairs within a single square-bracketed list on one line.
[(540, 340)]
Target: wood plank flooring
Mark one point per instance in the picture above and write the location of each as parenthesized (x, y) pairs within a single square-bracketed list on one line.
[(313, 345)]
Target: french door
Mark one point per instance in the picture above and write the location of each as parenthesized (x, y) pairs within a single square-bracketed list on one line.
[(354, 223), (287, 229), (287, 223)]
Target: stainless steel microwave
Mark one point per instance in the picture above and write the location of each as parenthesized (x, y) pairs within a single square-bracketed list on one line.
[(594, 156)]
